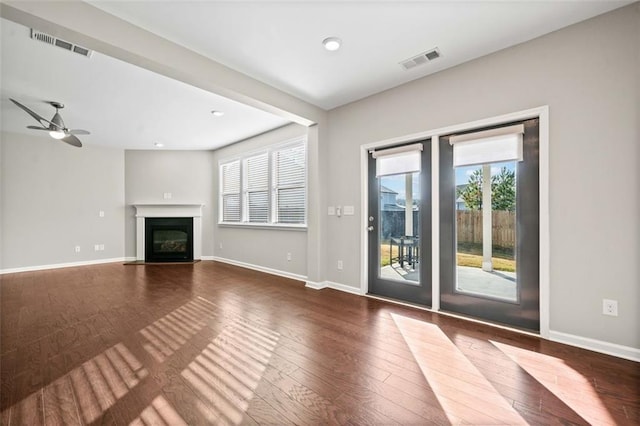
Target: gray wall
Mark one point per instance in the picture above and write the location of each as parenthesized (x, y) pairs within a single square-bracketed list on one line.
[(588, 74), (187, 175), (262, 247), (52, 194)]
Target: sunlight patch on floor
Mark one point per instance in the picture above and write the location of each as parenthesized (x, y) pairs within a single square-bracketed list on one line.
[(168, 334), (564, 382), (226, 373), (469, 400), (96, 385), (159, 413)]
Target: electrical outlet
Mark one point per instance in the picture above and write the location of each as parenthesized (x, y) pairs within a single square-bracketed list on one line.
[(101, 213), (166, 195), (77, 249), (220, 245), (96, 247), (340, 265), (289, 257), (610, 307)]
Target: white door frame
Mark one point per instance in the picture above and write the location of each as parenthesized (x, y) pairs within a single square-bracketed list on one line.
[(540, 112)]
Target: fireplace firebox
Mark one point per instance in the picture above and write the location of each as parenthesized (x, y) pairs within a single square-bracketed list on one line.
[(168, 239)]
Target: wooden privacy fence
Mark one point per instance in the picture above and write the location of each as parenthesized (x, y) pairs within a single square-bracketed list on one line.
[(469, 226)]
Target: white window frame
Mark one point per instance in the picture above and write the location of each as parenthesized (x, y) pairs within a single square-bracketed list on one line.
[(272, 189)]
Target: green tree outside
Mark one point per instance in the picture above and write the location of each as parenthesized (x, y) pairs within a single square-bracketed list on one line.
[(503, 190), (472, 193)]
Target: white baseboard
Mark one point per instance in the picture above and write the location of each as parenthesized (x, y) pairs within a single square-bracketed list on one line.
[(65, 265), (271, 271), (207, 258), (344, 287), (316, 286), (614, 349), (335, 286)]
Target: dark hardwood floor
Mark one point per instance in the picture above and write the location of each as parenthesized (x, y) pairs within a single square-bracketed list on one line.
[(210, 343)]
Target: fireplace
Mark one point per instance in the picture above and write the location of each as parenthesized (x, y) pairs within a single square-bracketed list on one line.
[(191, 213), (169, 239)]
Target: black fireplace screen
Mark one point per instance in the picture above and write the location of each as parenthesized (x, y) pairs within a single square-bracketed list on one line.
[(169, 239)]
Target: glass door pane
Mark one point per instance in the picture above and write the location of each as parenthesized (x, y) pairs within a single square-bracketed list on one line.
[(486, 231), (399, 229)]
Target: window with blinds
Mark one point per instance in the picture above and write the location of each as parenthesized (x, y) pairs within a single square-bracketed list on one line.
[(257, 188), (230, 191), (289, 168), (269, 187)]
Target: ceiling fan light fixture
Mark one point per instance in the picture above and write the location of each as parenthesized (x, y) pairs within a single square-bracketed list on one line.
[(217, 113), (332, 43), (55, 127), (57, 134), (158, 144)]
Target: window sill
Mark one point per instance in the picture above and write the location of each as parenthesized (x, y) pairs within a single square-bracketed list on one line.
[(273, 226)]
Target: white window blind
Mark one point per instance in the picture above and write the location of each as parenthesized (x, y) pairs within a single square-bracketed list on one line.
[(257, 188), (289, 167), (265, 188), (230, 188), (489, 146), (402, 159)]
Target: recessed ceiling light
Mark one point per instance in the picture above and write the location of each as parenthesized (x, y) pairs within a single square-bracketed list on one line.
[(158, 144), (332, 43), (217, 113)]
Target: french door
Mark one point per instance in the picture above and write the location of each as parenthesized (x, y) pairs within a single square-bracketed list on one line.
[(489, 227), (399, 222)]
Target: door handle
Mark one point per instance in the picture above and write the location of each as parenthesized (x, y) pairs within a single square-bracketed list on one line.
[(370, 228)]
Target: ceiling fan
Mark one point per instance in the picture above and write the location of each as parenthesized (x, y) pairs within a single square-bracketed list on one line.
[(55, 126)]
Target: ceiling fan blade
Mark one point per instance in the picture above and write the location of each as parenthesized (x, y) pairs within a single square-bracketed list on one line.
[(38, 118), (38, 128), (78, 132), (72, 140)]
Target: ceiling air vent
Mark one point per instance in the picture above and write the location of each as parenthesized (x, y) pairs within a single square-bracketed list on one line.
[(420, 59), (49, 39)]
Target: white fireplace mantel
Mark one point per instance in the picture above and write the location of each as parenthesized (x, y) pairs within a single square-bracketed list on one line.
[(168, 210)]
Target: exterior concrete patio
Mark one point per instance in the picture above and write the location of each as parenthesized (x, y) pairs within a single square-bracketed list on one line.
[(496, 284)]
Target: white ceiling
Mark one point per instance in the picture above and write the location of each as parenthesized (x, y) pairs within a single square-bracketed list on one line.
[(278, 43), (122, 105)]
